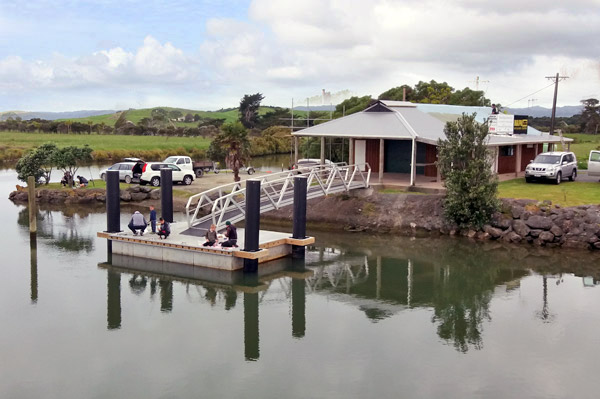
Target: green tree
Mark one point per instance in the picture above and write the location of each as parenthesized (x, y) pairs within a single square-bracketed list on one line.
[(465, 162), (121, 120), (68, 159), (175, 114), (351, 106), (590, 115), (249, 106), (397, 93), (469, 97), (37, 163), (232, 145), (432, 92)]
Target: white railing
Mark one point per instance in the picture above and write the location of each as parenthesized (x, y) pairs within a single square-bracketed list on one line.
[(227, 202)]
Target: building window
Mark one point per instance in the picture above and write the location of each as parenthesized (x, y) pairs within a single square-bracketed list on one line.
[(507, 151)]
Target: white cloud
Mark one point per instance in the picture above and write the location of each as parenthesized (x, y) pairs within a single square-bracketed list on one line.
[(292, 48)]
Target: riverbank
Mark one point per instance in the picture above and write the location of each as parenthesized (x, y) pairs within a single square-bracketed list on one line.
[(519, 221)]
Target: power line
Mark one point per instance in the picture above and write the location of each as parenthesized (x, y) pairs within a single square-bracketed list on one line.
[(535, 92)]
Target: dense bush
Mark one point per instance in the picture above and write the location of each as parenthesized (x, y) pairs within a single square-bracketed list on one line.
[(466, 164)]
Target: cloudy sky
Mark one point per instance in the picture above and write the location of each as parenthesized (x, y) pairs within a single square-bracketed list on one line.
[(59, 55)]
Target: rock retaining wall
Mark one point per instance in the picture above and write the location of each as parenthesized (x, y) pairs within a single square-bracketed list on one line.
[(84, 195)]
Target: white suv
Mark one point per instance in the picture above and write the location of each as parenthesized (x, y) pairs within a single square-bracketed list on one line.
[(151, 174), (553, 166)]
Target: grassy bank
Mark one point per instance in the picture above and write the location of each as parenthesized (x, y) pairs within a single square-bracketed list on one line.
[(102, 184), (583, 144), (106, 147), (565, 194)]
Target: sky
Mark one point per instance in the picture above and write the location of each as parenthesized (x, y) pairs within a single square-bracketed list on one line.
[(65, 55)]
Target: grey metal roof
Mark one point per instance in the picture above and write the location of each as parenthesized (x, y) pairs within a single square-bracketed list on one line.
[(404, 121), (368, 125), (495, 140)]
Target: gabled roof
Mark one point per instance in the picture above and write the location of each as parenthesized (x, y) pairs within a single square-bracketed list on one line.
[(402, 120), (382, 120)]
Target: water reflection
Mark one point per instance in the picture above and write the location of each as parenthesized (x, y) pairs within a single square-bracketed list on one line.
[(456, 282), (33, 266), (59, 229)]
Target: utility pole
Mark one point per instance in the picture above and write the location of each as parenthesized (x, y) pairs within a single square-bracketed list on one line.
[(477, 81), (555, 79)]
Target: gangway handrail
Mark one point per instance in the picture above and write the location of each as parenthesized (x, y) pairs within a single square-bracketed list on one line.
[(276, 191)]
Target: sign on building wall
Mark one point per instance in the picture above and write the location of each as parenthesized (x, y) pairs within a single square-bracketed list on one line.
[(501, 124), (520, 124)]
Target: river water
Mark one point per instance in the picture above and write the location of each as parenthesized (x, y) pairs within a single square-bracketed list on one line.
[(364, 316)]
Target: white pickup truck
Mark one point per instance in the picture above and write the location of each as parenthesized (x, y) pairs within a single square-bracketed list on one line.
[(199, 168), (594, 163)]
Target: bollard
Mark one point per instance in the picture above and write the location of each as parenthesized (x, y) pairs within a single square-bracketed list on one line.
[(299, 227), (31, 201), (252, 228), (166, 194), (113, 204)]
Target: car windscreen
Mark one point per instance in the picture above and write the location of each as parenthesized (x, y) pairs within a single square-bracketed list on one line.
[(551, 159), (170, 160)]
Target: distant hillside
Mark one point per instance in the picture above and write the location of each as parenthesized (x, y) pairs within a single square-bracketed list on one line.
[(538, 112), (26, 115), (136, 115)]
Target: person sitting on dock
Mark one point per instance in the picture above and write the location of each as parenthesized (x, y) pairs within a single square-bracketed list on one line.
[(137, 222), (211, 236), (164, 229), (231, 234)]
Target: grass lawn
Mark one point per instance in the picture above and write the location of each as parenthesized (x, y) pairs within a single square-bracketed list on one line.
[(583, 144), (564, 194), (98, 183), (102, 142)]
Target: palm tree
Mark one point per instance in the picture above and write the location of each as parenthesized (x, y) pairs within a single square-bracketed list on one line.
[(232, 144)]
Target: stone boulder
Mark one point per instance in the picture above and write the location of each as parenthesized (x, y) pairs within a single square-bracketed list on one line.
[(520, 228), (539, 222), (546, 236)]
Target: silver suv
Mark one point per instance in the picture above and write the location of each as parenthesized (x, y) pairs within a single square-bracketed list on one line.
[(552, 166)]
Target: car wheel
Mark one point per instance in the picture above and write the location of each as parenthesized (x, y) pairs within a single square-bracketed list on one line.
[(155, 181), (128, 179), (187, 180), (216, 171), (573, 175), (103, 176), (558, 178), (250, 171), (199, 172), (528, 179)]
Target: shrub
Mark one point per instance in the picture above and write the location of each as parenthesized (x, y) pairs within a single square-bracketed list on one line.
[(466, 163)]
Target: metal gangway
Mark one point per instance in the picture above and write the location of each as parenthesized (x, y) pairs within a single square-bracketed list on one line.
[(228, 202)]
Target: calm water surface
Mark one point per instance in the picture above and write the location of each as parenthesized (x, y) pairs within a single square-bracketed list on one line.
[(363, 317)]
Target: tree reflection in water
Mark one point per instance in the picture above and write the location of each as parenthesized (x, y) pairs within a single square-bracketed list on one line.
[(61, 233)]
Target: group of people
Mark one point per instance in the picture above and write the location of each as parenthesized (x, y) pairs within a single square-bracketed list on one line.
[(138, 222), (212, 237), (68, 179)]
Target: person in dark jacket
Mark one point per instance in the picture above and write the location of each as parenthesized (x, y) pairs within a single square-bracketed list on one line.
[(153, 219), (164, 229), (137, 222), (231, 234), (211, 236), (83, 182)]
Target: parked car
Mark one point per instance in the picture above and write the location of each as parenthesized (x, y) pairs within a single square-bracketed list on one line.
[(594, 163), (151, 174), (125, 168), (186, 163), (552, 166)]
